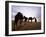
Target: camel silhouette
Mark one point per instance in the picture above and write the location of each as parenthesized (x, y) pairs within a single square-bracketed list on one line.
[(25, 18), (30, 18), (19, 16)]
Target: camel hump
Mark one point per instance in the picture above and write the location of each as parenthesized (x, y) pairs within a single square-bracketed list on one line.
[(30, 17)]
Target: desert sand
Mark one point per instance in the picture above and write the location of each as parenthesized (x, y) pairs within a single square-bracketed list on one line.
[(26, 26)]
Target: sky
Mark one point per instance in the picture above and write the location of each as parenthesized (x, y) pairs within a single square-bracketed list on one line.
[(28, 11)]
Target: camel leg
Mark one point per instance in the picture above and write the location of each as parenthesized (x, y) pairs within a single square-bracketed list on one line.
[(35, 20), (28, 20)]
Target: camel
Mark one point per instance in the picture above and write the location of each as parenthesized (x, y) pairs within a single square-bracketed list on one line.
[(25, 18), (30, 18), (19, 16)]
